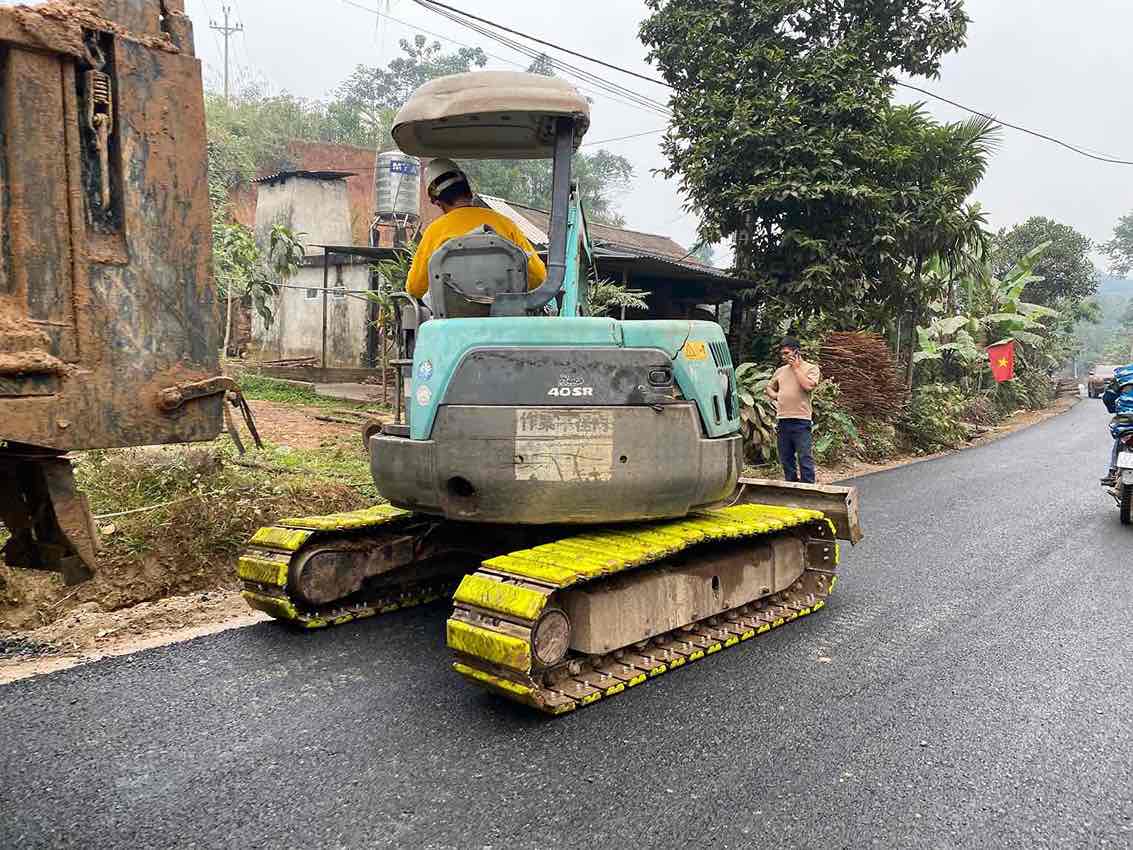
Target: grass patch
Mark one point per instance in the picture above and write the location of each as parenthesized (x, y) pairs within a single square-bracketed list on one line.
[(261, 388)]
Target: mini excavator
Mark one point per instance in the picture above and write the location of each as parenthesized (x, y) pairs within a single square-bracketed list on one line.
[(576, 479)]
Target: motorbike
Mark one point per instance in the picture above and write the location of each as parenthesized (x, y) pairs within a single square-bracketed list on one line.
[(1122, 490)]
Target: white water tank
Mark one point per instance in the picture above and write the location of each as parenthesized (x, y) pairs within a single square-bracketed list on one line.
[(397, 184)]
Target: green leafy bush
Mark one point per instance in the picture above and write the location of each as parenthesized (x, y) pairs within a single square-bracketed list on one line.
[(835, 433), (1011, 396), (877, 440), (1040, 390), (757, 413), (933, 420)]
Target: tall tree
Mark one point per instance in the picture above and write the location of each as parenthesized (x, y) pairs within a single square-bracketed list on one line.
[(784, 137), (1066, 268), (372, 93), (1120, 248)]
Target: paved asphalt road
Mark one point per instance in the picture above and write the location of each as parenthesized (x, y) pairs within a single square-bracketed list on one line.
[(978, 694)]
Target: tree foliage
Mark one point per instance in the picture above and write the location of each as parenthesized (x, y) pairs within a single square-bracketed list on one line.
[(1120, 248), (785, 139), (1065, 268), (996, 312), (372, 94), (251, 132)]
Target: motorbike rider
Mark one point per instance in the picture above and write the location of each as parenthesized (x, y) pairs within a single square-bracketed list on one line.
[(1118, 400)]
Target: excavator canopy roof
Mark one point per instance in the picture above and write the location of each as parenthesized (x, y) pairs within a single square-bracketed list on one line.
[(489, 115)]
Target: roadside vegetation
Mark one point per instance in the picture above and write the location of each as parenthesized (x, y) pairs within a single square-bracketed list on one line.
[(851, 213)]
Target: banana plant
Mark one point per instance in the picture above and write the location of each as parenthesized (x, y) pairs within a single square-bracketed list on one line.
[(1010, 317), (757, 411)]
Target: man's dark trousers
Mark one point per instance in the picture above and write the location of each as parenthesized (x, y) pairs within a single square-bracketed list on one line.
[(795, 439)]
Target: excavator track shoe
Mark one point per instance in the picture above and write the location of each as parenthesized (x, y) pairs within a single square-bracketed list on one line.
[(268, 561), (495, 633)]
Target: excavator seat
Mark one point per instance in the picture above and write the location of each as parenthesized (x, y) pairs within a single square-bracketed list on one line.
[(467, 273)]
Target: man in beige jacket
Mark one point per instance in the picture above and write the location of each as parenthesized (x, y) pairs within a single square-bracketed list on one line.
[(791, 388)]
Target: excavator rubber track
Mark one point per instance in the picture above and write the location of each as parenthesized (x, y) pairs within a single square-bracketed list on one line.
[(265, 569), (498, 608)]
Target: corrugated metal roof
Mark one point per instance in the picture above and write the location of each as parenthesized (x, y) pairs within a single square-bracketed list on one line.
[(280, 176), (635, 240), (644, 251), (535, 234), (689, 267)]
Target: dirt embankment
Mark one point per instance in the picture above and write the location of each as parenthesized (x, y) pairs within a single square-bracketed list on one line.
[(167, 560)]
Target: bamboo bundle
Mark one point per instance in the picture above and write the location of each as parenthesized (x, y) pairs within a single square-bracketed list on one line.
[(865, 370)]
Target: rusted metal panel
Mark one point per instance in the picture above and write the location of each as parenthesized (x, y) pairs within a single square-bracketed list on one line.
[(37, 186), (106, 296)]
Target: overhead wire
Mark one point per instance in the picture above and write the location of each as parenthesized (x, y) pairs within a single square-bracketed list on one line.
[(433, 3), (557, 64), (623, 138), (436, 7), (1036, 133), (584, 89)]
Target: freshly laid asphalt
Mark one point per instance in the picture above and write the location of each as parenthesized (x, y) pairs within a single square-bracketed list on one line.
[(969, 685)]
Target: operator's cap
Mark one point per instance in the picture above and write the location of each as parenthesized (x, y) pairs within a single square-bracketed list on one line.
[(442, 173)]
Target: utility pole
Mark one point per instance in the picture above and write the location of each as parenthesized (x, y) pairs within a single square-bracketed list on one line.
[(227, 30)]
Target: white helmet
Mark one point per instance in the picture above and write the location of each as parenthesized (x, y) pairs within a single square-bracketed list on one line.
[(442, 173)]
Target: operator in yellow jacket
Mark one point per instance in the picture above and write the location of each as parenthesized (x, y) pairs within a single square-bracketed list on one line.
[(449, 189)]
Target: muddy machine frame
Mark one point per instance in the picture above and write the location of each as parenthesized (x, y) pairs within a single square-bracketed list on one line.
[(576, 478), (108, 331)]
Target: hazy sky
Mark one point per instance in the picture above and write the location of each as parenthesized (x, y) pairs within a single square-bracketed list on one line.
[(1065, 68)]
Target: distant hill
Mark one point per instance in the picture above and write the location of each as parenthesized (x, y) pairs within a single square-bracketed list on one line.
[(1122, 286)]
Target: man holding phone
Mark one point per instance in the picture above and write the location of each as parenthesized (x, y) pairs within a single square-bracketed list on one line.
[(791, 388)]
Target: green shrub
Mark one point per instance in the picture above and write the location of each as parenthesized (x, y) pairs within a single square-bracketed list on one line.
[(877, 440), (933, 420), (982, 410), (1011, 396), (1040, 390), (835, 433), (757, 414)]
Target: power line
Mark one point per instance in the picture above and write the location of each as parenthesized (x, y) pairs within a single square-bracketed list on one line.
[(428, 4), (556, 64), (216, 41), (1036, 133), (445, 38), (431, 4), (622, 138)]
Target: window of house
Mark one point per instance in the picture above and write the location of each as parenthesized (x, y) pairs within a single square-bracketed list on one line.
[(312, 294)]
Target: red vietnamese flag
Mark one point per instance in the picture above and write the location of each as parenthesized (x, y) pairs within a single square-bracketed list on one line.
[(1001, 358)]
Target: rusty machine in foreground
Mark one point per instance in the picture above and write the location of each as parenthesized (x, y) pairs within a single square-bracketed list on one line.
[(575, 478), (108, 330)]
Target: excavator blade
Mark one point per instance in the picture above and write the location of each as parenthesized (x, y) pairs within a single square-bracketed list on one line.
[(838, 504)]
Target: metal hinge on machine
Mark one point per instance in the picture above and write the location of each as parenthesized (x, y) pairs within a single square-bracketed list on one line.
[(172, 398), (99, 113)]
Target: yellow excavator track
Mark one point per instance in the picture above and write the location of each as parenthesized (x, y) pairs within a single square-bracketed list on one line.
[(264, 568), (497, 608)]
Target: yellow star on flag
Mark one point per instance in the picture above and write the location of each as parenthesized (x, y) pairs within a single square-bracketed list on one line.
[(1002, 363)]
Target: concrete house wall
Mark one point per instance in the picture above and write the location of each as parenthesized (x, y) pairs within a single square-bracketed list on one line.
[(320, 210)]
